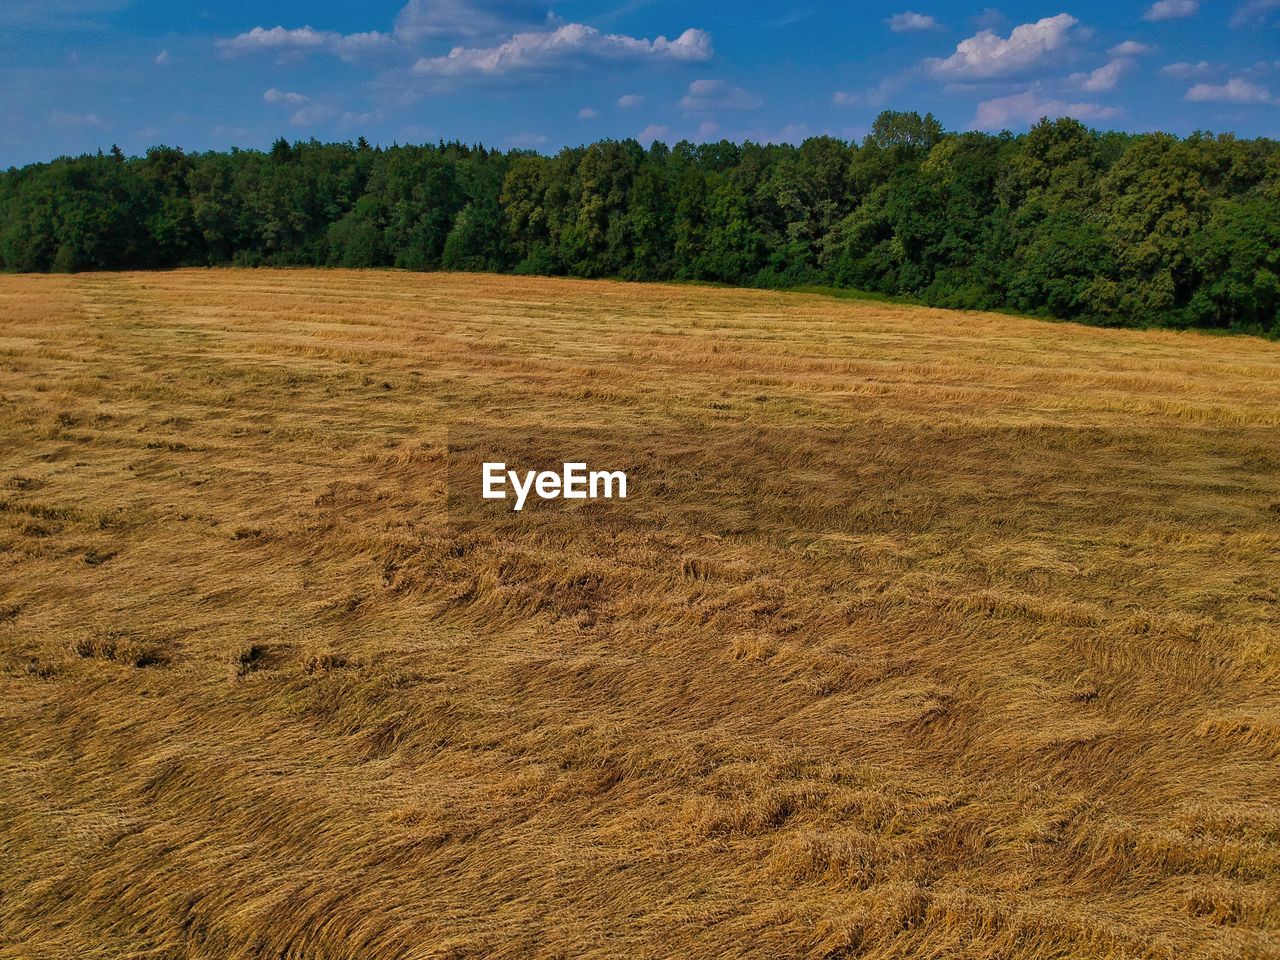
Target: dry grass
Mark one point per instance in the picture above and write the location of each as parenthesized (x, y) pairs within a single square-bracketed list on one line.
[(1001, 682)]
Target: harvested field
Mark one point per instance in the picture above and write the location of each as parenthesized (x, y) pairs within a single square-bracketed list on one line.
[(938, 635)]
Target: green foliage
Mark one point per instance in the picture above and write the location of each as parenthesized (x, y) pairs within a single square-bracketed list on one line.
[(1237, 256), (1063, 221)]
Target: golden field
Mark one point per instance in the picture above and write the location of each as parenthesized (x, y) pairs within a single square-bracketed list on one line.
[(984, 662)]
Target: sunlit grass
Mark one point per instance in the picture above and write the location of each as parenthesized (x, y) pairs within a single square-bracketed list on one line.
[(986, 666)]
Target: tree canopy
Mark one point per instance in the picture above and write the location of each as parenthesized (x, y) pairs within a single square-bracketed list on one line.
[(1063, 221)]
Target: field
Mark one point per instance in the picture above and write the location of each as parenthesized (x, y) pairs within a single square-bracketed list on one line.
[(932, 634)]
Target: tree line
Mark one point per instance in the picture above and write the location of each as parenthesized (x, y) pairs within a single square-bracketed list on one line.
[(1062, 221)]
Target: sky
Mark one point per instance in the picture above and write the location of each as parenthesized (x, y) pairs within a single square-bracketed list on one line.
[(81, 75)]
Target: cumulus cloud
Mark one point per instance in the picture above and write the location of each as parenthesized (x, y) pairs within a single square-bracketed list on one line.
[(629, 100), (526, 139), (500, 37), (1106, 77), (1256, 13), (652, 132), (911, 22), (705, 96), (588, 113), (1185, 71), (305, 40), (313, 115), (1235, 90), (791, 133), (1131, 48), (987, 54), (417, 21), (1171, 9), (283, 96), (1028, 107), (566, 44), (162, 58), (352, 120), (432, 19), (873, 96)]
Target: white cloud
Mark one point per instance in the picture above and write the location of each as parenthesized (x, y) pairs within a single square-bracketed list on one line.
[(1171, 9), (503, 36), (1028, 107), (652, 132), (1106, 77), (791, 133), (162, 58), (1234, 90), (75, 119), (629, 100), (588, 113), (432, 19), (418, 20), (351, 120), (1131, 48), (283, 96), (707, 129), (705, 96), (910, 22), (527, 139), (313, 115), (873, 96), (1185, 71), (986, 54), (1255, 13), (573, 41), (305, 40)]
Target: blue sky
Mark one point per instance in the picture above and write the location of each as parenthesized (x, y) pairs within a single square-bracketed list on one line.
[(82, 74)]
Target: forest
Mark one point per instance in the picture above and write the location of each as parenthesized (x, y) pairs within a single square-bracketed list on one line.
[(1062, 221)]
